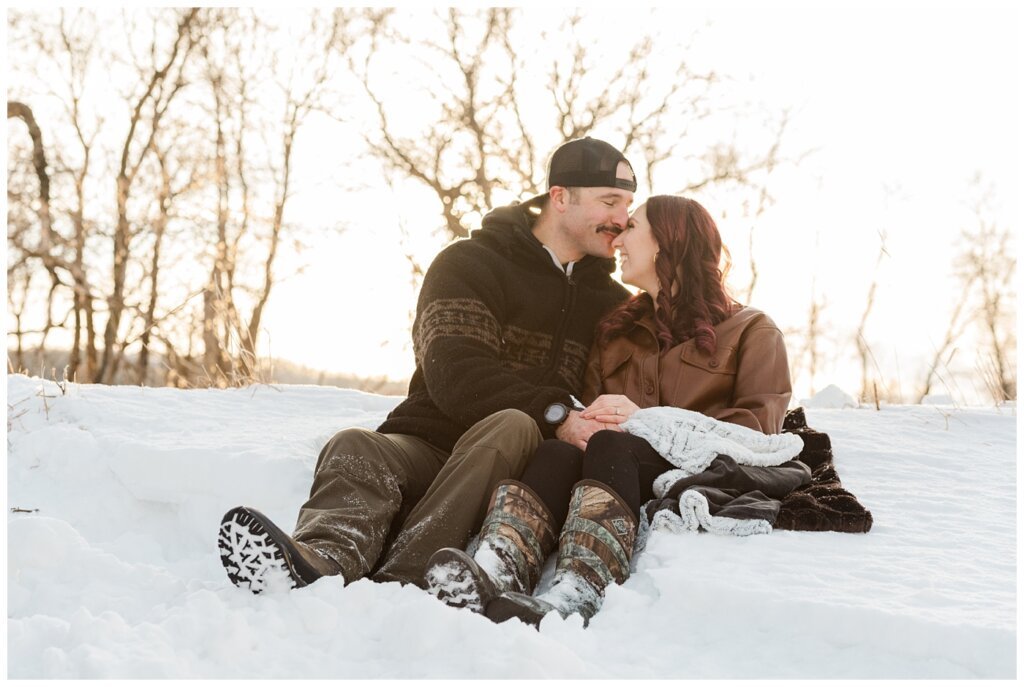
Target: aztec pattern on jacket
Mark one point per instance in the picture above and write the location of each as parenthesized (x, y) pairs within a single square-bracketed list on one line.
[(498, 325)]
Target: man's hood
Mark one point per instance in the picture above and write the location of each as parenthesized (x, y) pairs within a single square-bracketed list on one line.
[(508, 226)]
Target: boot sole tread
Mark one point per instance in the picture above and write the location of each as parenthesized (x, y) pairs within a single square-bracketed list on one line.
[(454, 582), (252, 558)]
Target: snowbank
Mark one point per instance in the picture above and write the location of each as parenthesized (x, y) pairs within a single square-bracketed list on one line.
[(830, 397), (114, 572)]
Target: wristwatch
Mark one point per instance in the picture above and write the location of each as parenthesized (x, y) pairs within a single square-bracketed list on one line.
[(556, 413)]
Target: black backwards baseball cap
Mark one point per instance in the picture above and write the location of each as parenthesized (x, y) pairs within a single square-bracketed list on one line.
[(586, 162)]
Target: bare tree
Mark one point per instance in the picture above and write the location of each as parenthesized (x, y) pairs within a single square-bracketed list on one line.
[(79, 59), (450, 156), (301, 97), (813, 332), (944, 352), (476, 137), (159, 224), (19, 287), (987, 263), (48, 246), (216, 102), (757, 175), (258, 103), (63, 50), (984, 269), (867, 388), (214, 331), (24, 113), (162, 80), (205, 154), (61, 252)]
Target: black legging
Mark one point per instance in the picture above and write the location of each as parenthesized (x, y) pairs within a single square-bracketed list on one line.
[(624, 462)]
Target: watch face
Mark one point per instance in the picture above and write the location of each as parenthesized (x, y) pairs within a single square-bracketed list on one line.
[(555, 413)]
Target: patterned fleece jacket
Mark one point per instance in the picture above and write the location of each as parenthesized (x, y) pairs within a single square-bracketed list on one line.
[(498, 325)]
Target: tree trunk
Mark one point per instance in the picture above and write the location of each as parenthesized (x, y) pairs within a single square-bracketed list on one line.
[(24, 113), (159, 228), (215, 327), (122, 229), (275, 238)]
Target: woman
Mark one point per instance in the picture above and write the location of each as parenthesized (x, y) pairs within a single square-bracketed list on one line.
[(681, 342)]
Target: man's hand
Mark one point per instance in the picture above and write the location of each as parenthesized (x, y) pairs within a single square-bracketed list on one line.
[(577, 431), (610, 408)]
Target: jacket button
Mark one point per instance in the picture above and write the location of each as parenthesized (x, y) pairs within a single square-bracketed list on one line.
[(649, 389), (713, 364)]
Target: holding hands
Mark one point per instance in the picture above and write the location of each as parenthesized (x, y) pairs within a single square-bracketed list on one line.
[(577, 430), (612, 409), (606, 412)]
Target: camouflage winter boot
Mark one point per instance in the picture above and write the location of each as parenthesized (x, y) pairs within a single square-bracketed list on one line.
[(516, 538), (594, 550)]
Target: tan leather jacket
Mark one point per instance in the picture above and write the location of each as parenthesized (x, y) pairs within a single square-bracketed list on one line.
[(745, 382)]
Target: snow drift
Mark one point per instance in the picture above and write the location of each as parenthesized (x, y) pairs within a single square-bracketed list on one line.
[(113, 571)]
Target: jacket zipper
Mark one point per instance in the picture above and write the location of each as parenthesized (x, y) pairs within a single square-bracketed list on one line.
[(568, 302)]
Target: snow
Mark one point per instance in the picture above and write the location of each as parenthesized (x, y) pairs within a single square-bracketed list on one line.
[(114, 572), (937, 400), (830, 397)]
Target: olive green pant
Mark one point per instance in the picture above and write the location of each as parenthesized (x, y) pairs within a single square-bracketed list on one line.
[(382, 504)]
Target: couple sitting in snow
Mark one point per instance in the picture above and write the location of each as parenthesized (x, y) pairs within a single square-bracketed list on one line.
[(512, 325)]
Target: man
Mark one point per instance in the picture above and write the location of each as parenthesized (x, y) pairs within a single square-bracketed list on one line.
[(504, 323)]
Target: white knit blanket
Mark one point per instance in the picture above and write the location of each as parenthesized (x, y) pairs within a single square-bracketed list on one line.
[(690, 441), (695, 516)]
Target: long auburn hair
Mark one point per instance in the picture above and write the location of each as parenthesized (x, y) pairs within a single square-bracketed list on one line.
[(691, 272)]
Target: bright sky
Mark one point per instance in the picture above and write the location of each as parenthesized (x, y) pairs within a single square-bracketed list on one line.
[(913, 98)]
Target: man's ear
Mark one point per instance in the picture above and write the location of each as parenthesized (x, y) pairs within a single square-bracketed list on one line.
[(558, 197)]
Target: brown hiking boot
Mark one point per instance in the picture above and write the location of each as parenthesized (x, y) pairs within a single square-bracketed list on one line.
[(594, 550), (516, 538), (256, 554)]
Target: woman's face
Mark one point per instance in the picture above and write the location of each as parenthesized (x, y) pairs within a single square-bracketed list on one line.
[(637, 250)]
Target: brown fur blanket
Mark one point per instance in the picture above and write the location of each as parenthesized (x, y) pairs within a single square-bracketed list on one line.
[(823, 505)]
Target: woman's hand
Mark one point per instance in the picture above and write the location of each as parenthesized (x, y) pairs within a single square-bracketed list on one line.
[(577, 430), (610, 408)]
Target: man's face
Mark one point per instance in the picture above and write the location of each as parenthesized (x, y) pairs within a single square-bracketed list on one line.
[(595, 216)]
